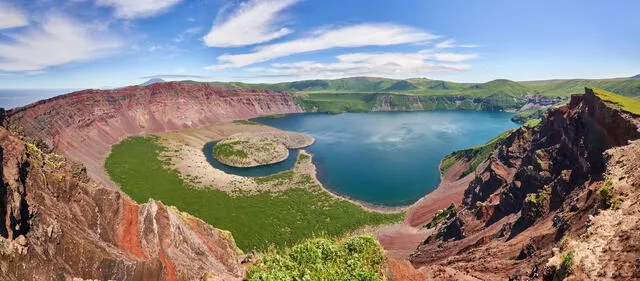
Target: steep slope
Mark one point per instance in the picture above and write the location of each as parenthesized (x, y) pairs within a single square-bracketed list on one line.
[(540, 186), (83, 125), (57, 225)]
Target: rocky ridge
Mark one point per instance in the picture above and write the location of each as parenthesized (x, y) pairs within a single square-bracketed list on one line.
[(83, 125), (63, 226), (538, 195)]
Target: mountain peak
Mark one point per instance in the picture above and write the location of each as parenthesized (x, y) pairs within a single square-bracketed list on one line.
[(152, 81)]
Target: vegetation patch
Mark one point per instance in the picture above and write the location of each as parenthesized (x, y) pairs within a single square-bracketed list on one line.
[(532, 122), (441, 215), (356, 258), (257, 221), (537, 198), (475, 155), (606, 195), (230, 150), (624, 103), (245, 122), (567, 261)]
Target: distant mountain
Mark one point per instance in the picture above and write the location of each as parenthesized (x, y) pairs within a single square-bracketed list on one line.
[(152, 81), (428, 87)]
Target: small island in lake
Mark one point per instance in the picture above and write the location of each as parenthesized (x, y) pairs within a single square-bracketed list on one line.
[(244, 150)]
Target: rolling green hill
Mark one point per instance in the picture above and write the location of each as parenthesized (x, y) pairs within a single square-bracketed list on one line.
[(359, 94)]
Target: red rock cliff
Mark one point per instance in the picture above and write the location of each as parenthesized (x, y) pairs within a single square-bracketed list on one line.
[(83, 125), (55, 224), (539, 186)]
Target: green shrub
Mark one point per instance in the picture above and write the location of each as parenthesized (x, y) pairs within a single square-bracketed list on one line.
[(567, 261), (536, 198), (607, 197), (357, 258), (441, 215)]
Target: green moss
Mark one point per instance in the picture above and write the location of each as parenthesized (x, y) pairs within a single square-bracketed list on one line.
[(441, 215), (357, 258), (624, 103), (256, 221)]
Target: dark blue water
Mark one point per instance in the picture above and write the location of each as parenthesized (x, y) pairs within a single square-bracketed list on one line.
[(259, 171), (389, 158)]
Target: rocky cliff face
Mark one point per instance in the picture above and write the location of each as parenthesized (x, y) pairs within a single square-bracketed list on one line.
[(55, 224), (83, 125), (538, 188)]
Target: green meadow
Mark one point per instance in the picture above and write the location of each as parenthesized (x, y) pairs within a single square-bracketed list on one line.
[(257, 221)]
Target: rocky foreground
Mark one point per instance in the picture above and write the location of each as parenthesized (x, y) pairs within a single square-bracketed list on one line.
[(555, 201)]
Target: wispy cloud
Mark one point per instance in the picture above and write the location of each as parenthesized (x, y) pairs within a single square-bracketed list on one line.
[(345, 37), (131, 9), (57, 40), (372, 64), (11, 16), (253, 22), (188, 33), (451, 43)]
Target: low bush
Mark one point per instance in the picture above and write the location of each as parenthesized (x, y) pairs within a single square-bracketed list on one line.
[(356, 258)]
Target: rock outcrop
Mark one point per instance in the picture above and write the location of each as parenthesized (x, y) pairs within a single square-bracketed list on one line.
[(83, 125), (54, 226), (539, 186)]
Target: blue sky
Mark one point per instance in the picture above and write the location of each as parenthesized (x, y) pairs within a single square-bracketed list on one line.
[(110, 43)]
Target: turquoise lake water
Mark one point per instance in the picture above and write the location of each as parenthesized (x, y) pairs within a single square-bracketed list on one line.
[(388, 158)]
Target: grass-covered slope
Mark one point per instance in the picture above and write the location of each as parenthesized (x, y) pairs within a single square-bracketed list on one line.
[(368, 93), (474, 155), (256, 221), (356, 258), (624, 103)]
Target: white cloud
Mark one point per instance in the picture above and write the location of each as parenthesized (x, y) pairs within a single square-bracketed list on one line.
[(253, 22), (130, 9), (188, 33), (451, 43), (11, 16), (345, 37), (58, 40), (370, 64)]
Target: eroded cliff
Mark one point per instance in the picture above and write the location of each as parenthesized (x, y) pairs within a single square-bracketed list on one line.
[(538, 191), (55, 224), (83, 125)]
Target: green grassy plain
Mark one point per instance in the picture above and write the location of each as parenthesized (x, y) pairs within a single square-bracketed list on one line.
[(256, 221)]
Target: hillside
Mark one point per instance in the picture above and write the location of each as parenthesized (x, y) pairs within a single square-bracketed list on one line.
[(551, 201), (359, 94)]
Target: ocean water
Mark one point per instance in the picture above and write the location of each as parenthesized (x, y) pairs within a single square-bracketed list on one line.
[(389, 158), (16, 98)]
